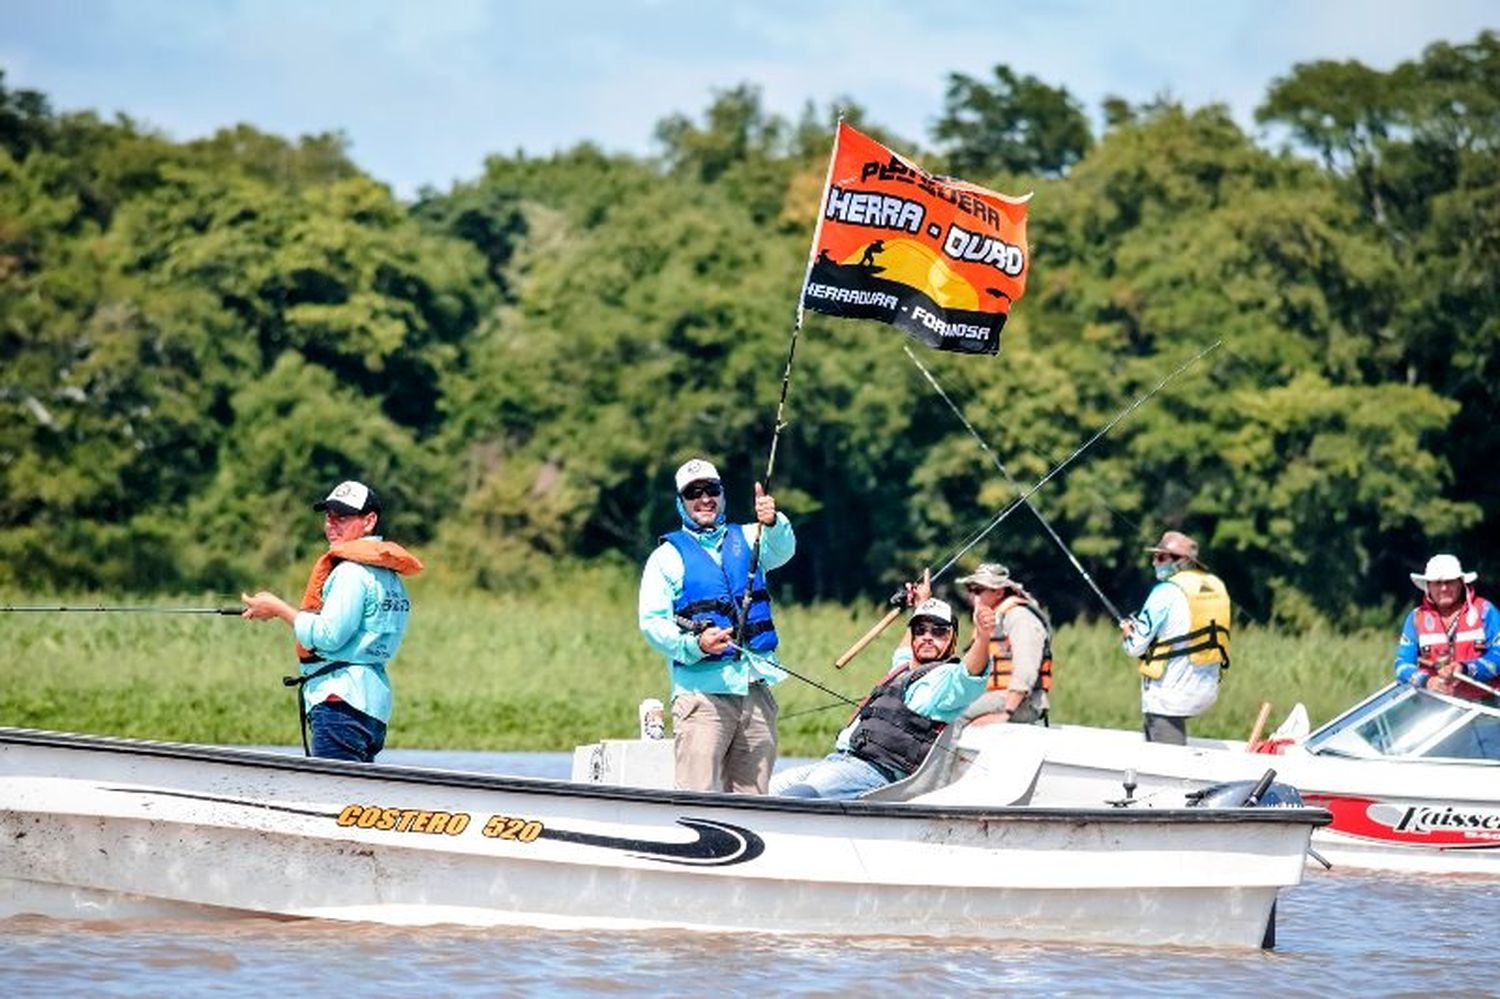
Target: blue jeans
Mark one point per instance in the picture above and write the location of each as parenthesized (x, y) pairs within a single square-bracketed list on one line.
[(837, 775), (340, 732)]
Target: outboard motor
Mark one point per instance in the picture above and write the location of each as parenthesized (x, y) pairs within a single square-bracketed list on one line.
[(1246, 794)]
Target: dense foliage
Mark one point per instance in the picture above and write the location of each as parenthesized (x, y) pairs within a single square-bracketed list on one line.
[(196, 338)]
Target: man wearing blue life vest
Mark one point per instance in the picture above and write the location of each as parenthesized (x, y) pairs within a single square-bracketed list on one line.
[(1451, 642), (723, 712), (350, 623), (1181, 638)]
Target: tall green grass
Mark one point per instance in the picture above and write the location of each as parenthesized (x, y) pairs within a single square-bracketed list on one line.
[(551, 670)]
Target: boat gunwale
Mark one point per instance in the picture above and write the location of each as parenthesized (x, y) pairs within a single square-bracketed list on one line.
[(260, 759)]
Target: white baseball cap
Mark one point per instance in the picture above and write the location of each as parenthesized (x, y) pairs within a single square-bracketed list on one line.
[(936, 610), (695, 470), (350, 497)]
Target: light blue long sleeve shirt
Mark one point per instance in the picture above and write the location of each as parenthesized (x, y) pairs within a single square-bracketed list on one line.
[(362, 622), (1184, 689), (661, 586)]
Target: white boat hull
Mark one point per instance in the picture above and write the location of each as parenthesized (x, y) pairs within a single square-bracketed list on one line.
[(1411, 816), (113, 827)]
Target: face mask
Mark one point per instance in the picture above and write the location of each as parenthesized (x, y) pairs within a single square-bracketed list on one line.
[(1165, 571)]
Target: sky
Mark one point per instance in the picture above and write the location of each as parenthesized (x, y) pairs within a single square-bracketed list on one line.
[(425, 90)]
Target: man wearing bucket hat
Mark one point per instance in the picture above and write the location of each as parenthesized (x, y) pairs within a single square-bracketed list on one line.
[(1181, 637), (723, 712), (896, 725), (1453, 633), (350, 623), (1019, 649)]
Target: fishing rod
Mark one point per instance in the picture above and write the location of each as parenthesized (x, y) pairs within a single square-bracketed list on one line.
[(980, 535), (786, 380), (1046, 525), (101, 609), (698, 627)]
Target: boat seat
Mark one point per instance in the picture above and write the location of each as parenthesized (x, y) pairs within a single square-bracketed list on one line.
[(935, 770)]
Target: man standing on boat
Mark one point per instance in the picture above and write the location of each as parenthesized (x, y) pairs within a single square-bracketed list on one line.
[(1453, 632), (899, 721), (353, 617), (1181, 637), (723, 711), (1020, 650)]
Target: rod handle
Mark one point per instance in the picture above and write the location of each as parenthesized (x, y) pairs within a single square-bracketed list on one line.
[(1260, 724), (869, 637)]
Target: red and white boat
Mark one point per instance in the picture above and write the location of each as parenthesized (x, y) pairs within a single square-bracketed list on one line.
[(1411, 778)]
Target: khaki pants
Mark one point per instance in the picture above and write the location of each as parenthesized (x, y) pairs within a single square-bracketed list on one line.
[(725, 742)]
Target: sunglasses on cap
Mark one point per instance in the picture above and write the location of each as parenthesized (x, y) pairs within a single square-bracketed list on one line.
[(695, 489), (933, 628)]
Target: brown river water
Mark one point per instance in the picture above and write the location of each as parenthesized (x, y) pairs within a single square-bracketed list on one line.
[(1339, 933)]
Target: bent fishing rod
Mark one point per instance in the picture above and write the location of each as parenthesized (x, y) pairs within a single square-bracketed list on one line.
[(102, 609), (1000, 518), (1046, 525)]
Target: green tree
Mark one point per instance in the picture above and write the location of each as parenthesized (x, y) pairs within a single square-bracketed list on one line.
[(1010, 124)]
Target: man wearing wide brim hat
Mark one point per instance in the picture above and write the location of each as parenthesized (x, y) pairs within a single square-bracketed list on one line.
[(1019, 649), (897, 725), (1181, 637), (1450, 644)]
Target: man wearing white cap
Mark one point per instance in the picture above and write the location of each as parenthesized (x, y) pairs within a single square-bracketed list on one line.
[(351, 621), (1453, 633), (894, 728), (1181, 637), (723, 712)]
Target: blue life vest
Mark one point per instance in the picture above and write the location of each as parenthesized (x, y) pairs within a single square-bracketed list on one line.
[(713, 592)]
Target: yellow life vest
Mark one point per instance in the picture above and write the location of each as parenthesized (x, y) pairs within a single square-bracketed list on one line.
[(1206, 642)]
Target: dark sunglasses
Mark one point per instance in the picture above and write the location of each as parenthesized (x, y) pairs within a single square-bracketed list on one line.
[(935, 630), (695, 489), (1160, 558)]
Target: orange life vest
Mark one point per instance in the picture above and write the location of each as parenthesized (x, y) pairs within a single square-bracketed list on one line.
[(1002, 663), (365, 551), (1462, 640)]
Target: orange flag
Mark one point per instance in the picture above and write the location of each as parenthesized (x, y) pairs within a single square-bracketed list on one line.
[(940, 258)]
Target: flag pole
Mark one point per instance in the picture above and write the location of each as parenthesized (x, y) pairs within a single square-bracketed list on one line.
[(786, 382)]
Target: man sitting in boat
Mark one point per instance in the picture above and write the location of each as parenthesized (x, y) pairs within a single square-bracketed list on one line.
[(894, 728), (723, 712), (1181, 637), (1020, 650), (1453, 634), (351, 622)]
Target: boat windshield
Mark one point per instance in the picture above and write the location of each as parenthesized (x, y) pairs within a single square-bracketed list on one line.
[(1406, 723)]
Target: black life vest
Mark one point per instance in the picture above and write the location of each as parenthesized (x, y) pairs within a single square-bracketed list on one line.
[(891, 735)]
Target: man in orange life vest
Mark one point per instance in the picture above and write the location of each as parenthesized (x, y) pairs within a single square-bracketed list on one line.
[(351, 622), (1453, 632), (1020, 650)]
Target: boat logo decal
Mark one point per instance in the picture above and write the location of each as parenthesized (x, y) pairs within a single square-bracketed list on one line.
[(719, 844), (1447, 826)]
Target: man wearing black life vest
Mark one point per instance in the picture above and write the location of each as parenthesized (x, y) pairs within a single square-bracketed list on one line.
[(1181, 638), (1451, 642), (1020, 650), (723, 713), (895, 726)]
